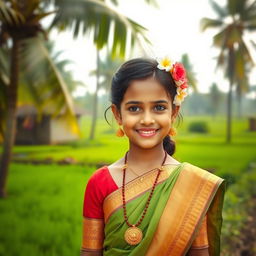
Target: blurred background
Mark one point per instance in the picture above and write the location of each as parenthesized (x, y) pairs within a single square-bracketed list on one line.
[(57, 58)]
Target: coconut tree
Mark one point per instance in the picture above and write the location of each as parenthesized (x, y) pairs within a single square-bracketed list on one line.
[(22, 34), (104, 72), (233, 21)]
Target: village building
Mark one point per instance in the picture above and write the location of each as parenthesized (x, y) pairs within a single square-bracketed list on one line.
[(35, 129)]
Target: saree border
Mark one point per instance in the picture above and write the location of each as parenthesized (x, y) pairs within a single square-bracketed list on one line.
[(93, 234), (134, 189), (184, 211)]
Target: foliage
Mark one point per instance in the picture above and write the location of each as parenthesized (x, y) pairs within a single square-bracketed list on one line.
[(107, 26), (239, 227), (199, 126)]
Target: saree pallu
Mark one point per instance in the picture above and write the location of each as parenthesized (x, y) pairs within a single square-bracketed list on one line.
[(182, 199)]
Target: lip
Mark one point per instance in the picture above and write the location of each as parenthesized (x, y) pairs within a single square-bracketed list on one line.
[(147, 132)]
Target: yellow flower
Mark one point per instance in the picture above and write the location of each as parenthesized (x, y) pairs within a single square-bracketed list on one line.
[(179, 97), (164, 63)]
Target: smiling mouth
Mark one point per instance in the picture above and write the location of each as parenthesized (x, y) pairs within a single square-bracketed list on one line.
[(147, 132)]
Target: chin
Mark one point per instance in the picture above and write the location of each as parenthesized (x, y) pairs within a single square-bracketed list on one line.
[(146, 145)]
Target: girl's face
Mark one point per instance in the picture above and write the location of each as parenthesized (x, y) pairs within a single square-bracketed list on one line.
[(146, 113)]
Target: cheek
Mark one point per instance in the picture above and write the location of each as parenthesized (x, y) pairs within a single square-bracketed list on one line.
[(130, 120), (165, 119)]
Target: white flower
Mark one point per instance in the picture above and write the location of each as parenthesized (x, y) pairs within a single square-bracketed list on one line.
[(164, 63), (179, 97)]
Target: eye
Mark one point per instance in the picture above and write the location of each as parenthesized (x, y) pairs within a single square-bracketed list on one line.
[(134, 109), (159, 107)]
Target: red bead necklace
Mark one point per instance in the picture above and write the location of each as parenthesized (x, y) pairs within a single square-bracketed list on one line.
[(133, 234)]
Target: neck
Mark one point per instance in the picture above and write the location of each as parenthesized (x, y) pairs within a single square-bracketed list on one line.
[(144, 160)]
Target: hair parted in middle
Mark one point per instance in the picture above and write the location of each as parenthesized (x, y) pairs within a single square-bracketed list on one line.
[(140, 69)]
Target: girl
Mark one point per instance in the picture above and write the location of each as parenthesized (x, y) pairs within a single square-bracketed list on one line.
[(148, 203)]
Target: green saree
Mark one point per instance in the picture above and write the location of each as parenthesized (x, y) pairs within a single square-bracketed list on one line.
[(180, 202)]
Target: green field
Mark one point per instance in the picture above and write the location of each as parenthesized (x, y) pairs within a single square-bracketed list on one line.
[(205, 150), (43, 212)]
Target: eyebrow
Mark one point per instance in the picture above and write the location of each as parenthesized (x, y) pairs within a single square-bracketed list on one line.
[(140, 102)]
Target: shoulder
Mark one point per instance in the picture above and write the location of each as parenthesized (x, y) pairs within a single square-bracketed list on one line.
[(98, 187), (99, 175), (198, 172), (101, 182)]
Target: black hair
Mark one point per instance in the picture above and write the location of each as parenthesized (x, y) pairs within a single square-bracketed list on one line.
[(140, 69)]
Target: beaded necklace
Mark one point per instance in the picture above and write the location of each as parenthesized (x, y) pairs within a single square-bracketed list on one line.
[(133, 235)]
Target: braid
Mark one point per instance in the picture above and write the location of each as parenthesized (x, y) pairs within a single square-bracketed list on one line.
[(169, 145)]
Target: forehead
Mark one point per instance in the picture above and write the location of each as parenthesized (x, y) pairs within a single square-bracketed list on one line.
[(146, 90)]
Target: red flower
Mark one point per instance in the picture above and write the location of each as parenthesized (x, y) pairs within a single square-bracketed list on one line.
[(178, 72)]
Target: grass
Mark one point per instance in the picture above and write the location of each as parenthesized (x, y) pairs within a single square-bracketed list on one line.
[(43, 213)]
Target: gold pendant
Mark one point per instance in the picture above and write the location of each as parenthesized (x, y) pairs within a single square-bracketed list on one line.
[(133, 235)]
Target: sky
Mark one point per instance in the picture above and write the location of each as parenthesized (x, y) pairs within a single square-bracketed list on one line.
[(173, 29)]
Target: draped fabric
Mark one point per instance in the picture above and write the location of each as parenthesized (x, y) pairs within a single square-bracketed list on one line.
[(184, 213)]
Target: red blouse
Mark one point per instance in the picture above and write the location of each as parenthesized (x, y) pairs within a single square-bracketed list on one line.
[(99, 186)]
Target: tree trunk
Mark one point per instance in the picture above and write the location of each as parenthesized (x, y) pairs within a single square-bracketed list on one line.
[(95, 101), (239, 106), (231, 70), (9, 134), (229, 114)]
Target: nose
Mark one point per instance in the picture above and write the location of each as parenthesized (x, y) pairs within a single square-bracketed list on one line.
[(147, 118)]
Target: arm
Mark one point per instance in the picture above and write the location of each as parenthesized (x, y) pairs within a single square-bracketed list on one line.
[(200, 245), (93, 237), (93, 222)]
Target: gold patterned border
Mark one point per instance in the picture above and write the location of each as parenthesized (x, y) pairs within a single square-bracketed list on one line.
[(184, 211), (201, 240), (133, 189), (93, 234)]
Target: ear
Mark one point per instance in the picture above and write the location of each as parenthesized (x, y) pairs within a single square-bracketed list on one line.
[(175, 113), (116, 114)]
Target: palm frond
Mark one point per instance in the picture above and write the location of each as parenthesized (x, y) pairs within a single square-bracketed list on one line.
[(10, 16), (220, 11), (96, 16), (234, 5), (219, 40), (42, 74), (206, 23), (251, 25)]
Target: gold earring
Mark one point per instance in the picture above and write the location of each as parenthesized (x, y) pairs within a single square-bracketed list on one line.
[(172, 132), (120, 132)]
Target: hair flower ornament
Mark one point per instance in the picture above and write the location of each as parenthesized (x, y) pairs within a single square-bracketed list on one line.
[(164, 64), (178, 74)]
